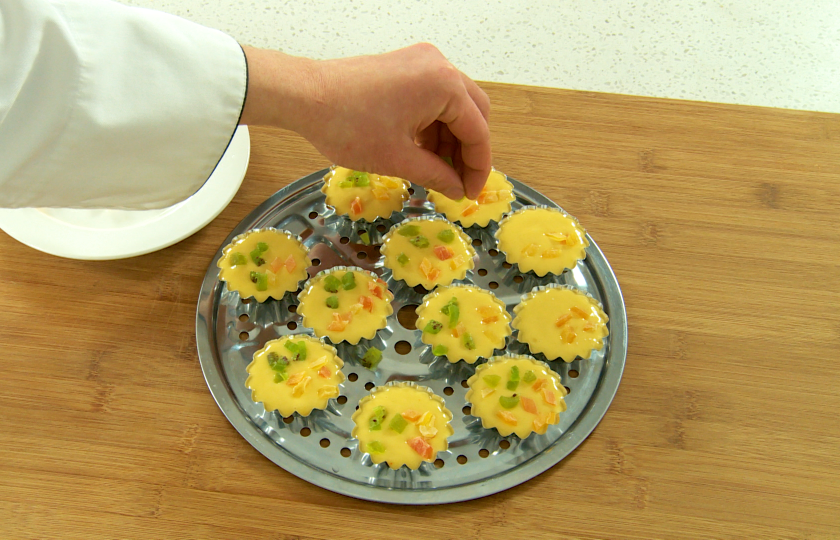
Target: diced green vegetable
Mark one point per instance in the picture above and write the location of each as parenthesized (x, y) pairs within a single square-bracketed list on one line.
[(280, 377), (419, 241), (276, 362), (374, 447), (260, 279), (371, 358), (365, 238), (509, 402), (348, 281), (262, 246), (440, 350), (433, 327), (446, 236), (512, 385), (468, 341), (359, 179), (451, 309), (237, 258), (332, 302), (529, 377), (345, 184), (297, 349), (375, 422), (398, 423), (514, 373), (256, 256), (402, 259), (408, 230), (492, 380), (332, 283)]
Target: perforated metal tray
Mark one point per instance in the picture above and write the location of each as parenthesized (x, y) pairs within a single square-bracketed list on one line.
[(318, 448)]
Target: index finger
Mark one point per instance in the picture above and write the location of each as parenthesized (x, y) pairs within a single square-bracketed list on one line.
[(466, 122)]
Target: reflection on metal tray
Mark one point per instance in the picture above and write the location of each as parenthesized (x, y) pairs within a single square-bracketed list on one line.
[(318, 448)]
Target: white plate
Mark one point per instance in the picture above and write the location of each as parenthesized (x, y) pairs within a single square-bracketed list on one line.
[(118, 234)]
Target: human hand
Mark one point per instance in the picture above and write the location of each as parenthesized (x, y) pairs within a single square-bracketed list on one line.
[(395, 114)]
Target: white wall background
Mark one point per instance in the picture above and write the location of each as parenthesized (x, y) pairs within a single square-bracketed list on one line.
[(778, 53)]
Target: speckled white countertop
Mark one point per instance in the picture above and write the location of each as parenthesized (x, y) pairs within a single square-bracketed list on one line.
[(777, 53)]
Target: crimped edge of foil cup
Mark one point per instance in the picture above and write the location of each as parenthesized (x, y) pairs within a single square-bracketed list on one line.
[(324, 273), (442, 289), (501, 359), (460, 231), (292, 236), (329, 348), (447, 414), (405, 196), (504, 220), (431, 195), (542, 288)]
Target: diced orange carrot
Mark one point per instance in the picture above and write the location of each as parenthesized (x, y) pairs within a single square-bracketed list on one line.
[(276, 264), (356, 206), (528, 404), (324, 372), (551, 254), (539, 384), (549, 397), (380, 194), (530, 250), (491, 319), (411, 415), (443, 252), (434, 273), (367, 303), (471, 209), (419, 445), (507, 418), (337, 325), (579, 312), (563, 319), (294, 379), (425, 267)]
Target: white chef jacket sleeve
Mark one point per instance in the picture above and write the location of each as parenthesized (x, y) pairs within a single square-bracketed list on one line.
[(108, 106)]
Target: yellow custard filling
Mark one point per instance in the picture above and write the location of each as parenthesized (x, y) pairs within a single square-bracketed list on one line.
[(427, 252), (541, 239), (463, 323), (362, 195), (516, 395), (294, 374), (264, 263), (492, 203), (345, 304), (561, 323), (402, 424)]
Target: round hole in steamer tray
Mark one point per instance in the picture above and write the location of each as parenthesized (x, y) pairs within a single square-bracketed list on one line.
[(243, 336), (439, 463), (411, 191), (243, 317), (573, 373), (467, 410), (352, 377), (476, 242), (568, 390), (462, 459), (506, 265), (342, 400), (518, 279), (344, 240), (381, 228), (483, 453), (369, 386), (245, 300), (448, 391), (402, 347), (407, 316), (305, 432), (293, 308), (465, 384), (325, 443), (482, 272), (288, 419), (361, 255), (504, 444), (316, 262), (292, 325), (345, 452), (419, 289), (493, 285), (313, 215), (492, 252)]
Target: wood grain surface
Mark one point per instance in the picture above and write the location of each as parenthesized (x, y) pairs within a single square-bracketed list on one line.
[(723, 226)]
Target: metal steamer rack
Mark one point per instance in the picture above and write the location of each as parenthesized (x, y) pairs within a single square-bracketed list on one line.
[(318, 448)]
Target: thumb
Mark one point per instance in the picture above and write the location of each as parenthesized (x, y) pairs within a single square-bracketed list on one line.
[(430, 171)]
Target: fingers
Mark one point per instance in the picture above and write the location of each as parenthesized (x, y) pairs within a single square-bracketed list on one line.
[(482, 101), (429, 170)]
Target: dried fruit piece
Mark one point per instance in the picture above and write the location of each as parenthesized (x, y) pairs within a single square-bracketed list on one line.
[(549, 397), (539, 384), (486, 392), (509, 402), (551, 254), (419, 241), (424, 449), (408, 230), (487, 197), (446, 236), (290, 263), (468, 342), (260, 279), (298, 350), (579, 312), (337, 324), (443, 253), (588, 327), (280, 377), (425, 266), (332, 283), (374, 447), (356, 206), (300, 387), (294, 379), (434, 273), (530, 250), (452, 310), (433, 327), (529, 377), (428, 432), (557, 237), (332, 302), (328, 391), (507, 417), (471, 209), (562, 319), (490, 320), (381, 194), (568, 334), (375, 422), (319, 363), (411, 415), (402, 259), (348, 281), (324, 372), (457, 262), (237, 258), (367, 303), (371, 358), (491, 380), (375, 289), (440, 350), (398, 423), (459, 330), (528, 405)]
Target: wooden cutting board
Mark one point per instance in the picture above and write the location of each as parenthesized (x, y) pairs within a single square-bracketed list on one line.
[(722, 224)]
